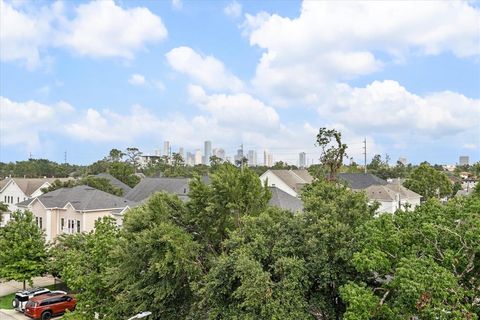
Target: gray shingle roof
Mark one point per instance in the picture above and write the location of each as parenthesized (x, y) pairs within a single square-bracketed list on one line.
[(115, 182), (81, 198), (361, 180), (295, 179), (148, 186), (283, 200)]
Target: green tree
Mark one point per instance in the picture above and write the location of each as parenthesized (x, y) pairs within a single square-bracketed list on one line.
[(22, 249), (3, 210), (428, 182), (98, 183), (115, 155), (216, 208), (421, 264), (332, 154), (82, 261), (124, 172), (133, 155)]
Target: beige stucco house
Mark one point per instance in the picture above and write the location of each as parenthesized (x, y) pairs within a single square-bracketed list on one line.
[(72, 210)]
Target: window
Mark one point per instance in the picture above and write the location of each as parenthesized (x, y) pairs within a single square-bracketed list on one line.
[(62, 223), (5, 199), (36, 220), (18, 199), (40, 219), (78, 226)]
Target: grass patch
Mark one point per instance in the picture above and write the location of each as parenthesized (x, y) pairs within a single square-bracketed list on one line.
[(6, 301)]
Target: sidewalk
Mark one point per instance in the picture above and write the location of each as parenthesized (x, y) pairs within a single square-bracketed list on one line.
[(11, 315), (14, 286)]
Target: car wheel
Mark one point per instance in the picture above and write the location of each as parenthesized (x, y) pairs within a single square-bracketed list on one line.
[(15, 303), (47, 315)]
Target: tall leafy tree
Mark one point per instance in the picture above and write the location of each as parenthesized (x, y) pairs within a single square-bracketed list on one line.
[(333, 150), (421, 264), (124, 172), (428, 182), (22, 249)]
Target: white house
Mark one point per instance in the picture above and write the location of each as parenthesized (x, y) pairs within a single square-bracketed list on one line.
[(289, 181), (15, 190)]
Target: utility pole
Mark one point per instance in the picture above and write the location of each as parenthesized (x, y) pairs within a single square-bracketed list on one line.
[(365, 154)]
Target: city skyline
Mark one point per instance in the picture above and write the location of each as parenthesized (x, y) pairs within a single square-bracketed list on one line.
[(409, 85)]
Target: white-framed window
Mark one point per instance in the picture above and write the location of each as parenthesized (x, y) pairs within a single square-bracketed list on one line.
[(40, 221), (62, 224), (78, 226)]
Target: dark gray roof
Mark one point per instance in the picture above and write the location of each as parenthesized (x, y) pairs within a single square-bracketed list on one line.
[(115, 182), (283, 200), (361, 180), (148, 186), (81, 198)]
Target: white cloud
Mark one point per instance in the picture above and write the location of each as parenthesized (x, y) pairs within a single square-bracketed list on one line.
[(233, 9), (98, 29), (240, 110), (103, 29), (336, 40), (205, 70), (388, 108), (136, 79), (23, 123)]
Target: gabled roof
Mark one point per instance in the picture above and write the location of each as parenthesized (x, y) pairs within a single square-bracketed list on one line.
[(283, 200), (380, 193), (148, 186), (360, 180), (295, 179), (29, 185), (405, 193), (115, 182), (81, 198)]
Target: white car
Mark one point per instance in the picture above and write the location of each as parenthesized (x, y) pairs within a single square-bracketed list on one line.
[(22, 297)]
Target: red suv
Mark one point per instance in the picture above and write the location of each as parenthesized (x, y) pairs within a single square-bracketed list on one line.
[(50, 304)]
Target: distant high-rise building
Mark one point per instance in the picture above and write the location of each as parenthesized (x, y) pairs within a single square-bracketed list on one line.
[(219, 153), (252, 158), (302, 160), (463, 160), (239, 155), (181, 152), (403, 160), (190, 160), (198, 156), (166, 148), (267, 158), (157, 152), (207, 152)]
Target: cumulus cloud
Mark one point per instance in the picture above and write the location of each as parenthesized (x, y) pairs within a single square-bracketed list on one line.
[(387, 107), (337, 40), (205, 70), (240, 109), (233, 9), (23, 123), (97, 29)]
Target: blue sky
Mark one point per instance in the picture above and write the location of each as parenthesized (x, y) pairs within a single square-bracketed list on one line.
[(85, 77)]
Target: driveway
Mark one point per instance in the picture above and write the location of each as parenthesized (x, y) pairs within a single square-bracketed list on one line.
[(11, 315), (14, 286)]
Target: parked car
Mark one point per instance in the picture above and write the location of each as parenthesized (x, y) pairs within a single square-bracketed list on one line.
[(21, 298), (51, 304)]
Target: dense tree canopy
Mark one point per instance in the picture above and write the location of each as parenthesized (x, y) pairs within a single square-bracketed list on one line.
[(428, 182), (22, 249)]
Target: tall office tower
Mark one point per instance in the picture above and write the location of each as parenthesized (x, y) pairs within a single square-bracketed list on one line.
[(302, 160), (207, 152), (198, 156), (190, 159), (166, 148), (267, 158), (403, 160), (181, 152), (252, 158), (157, 152), (463, 160), (239, 155)]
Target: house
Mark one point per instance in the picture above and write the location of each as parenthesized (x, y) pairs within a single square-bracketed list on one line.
[(148, 186), (72, 210), (15, 190), (285, 201), (392, 197), (115, 182), (360, 181), (289, 181)]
